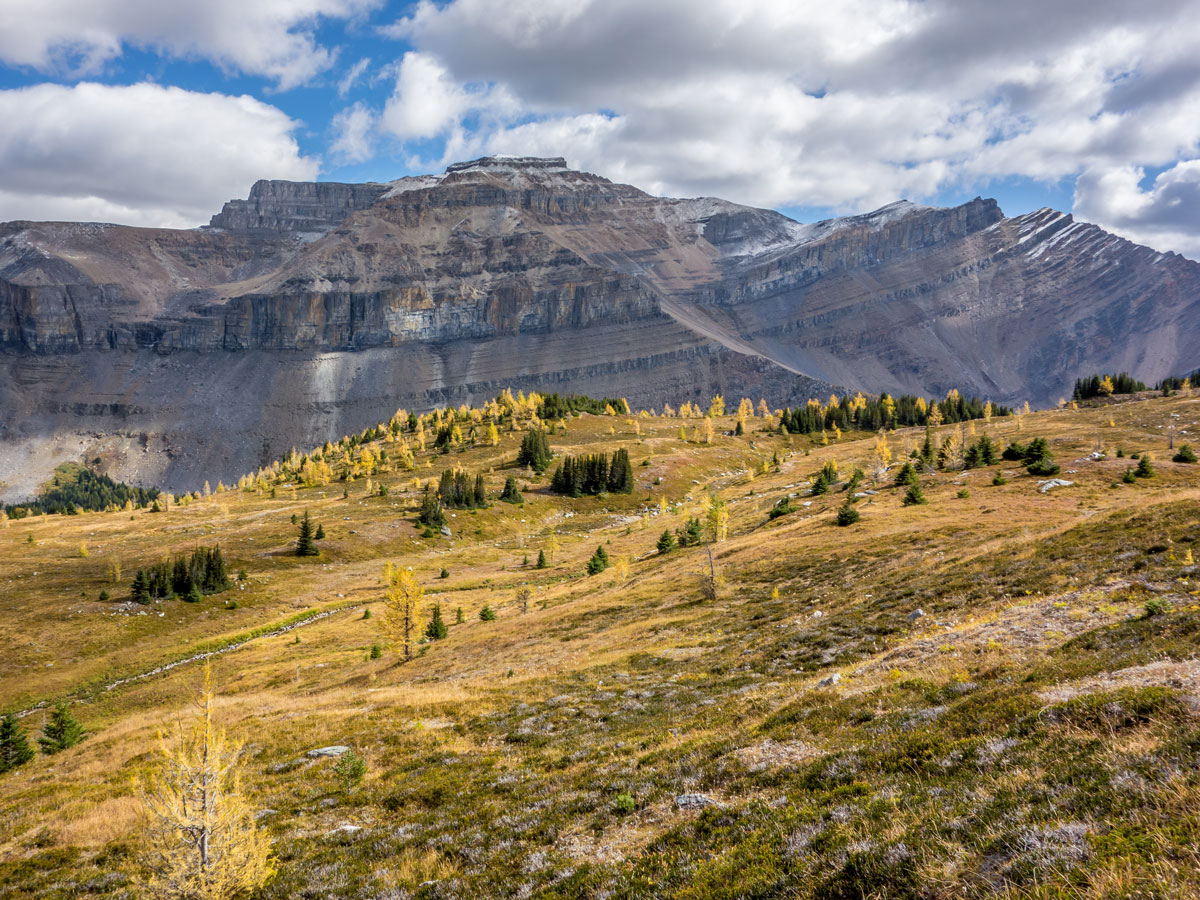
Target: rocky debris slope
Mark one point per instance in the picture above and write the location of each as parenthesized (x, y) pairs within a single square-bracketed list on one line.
[(310, 310)]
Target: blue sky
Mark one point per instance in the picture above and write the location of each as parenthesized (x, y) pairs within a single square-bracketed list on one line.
[(154, 114)]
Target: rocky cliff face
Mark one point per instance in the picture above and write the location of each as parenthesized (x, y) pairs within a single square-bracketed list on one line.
[(310, 310)]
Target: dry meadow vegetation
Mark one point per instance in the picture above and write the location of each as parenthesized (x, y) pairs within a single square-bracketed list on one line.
[(1015, 711)]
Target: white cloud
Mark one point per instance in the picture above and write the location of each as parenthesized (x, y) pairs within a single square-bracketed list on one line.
[(805, 102), (138, 155), (355, 127), (353, 74), (1165, 215), (272, 38)]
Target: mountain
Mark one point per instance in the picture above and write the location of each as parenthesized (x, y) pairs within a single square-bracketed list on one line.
[(310, 310)]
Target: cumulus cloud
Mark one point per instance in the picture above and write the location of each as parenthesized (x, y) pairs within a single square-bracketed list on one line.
[(803, 102), (1164, 215), (138, 155), (272, 38), (354, 127)]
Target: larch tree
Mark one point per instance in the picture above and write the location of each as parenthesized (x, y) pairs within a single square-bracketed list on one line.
[(201, 840), (717, 519), (717, 406), (402, 599)]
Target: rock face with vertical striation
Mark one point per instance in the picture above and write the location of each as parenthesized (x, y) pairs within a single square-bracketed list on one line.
[(312, 310)]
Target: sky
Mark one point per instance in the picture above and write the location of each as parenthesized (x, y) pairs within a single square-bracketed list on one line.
[(146, 112)]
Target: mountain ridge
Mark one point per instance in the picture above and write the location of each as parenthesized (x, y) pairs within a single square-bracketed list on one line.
[(144, 346)]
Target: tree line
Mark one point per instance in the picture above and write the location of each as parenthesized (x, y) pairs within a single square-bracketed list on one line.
[(84, 490), (882, 412)]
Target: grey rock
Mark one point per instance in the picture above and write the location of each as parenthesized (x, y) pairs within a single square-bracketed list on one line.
[(696, 801), (916, 614), (331, 752), (830, 680)]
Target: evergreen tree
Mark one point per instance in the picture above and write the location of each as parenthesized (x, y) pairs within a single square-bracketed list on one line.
[(60, 731), (1014, 452), (437, 628), (320, 535), (430, 514), (927, 453), (193, 595), (480, 496), (666, 541), (306, 544), (598, 563), (487, 614), (535, 451), (141, 587), (1185, 455), (14, 747), (847, 514), (906, 475), (541, 560), (1144, 468), (914, 495), (510, 494)]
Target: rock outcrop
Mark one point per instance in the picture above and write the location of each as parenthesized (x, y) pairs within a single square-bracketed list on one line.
[(311, 310)]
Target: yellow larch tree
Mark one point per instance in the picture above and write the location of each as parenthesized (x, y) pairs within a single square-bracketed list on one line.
[(402, 599), (745, 408), (717, 518), (493, 435), (717, 406), (201, 840), (706, 433), (763, 409)]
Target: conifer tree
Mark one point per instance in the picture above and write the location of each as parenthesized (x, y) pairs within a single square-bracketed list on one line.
[(487, 614), (1185, 455), (402, 600), (906, 475), (141, 587), (598, 563), (717, 519), (430, 514), (1144, 467), (60, 731), (541, 560), (535, 451), (437, 628), (914, 495), (510, 494), (14, 747), (306, 544), (847, 514), (666, 541), (320, 535), (202, 842)]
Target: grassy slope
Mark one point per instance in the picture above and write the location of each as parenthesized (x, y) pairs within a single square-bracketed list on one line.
[(966, 752)]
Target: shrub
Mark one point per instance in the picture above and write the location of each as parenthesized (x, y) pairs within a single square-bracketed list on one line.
[(1128, 477), (445, 573), (999, 480), (1043, 468), (782, 507), (1157, 606), (964, 494), (487, 614), (624, 804), (1185, 455)]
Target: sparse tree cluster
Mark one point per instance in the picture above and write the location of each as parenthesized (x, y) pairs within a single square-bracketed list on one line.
[(594, 474), (190, 578), (535, 451), (457, 490)]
